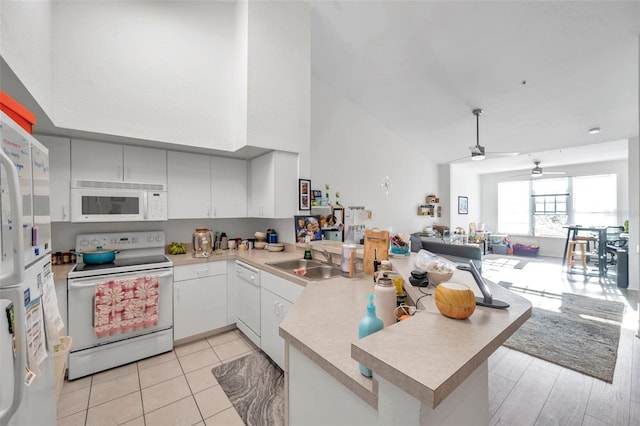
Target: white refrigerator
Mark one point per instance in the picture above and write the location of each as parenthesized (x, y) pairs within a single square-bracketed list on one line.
[(25, 281)]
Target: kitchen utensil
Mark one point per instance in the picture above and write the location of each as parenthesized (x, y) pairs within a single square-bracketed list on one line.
[(98, 256)]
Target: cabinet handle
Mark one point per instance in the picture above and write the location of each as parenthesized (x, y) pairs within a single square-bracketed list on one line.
[(178, 293), (275, 308), (202, 272), (64, 211)]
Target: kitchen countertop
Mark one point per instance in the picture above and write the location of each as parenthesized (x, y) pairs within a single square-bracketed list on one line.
[(323, 325)]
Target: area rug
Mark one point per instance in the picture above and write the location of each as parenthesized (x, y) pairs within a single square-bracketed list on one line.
[(255, 387), (583, 336)]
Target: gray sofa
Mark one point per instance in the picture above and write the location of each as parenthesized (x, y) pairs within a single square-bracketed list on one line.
[(457, 253)]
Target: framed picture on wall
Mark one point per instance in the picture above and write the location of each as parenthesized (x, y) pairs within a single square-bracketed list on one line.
[(463, 205), (304, 194)]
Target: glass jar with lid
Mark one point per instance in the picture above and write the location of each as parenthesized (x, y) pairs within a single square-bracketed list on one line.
[(202, 242)]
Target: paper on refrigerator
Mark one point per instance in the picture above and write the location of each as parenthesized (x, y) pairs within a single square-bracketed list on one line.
[(52, 318), (36, 345)]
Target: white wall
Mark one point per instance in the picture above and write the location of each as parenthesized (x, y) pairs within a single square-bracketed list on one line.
[(156, 70), (26, 45), (634, 214), (466, 184), (352, 152), (279, 64)]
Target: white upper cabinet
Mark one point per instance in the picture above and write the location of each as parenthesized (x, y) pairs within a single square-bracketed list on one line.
[(145, 165), (59, 177), (274, 185), (189, 185), (112, 162), (229, 188), (96, 160)]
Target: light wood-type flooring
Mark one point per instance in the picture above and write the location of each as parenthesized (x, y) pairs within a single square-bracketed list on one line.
[(524, 390), (178, 387)]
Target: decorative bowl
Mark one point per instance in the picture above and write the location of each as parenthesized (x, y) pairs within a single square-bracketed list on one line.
[(275, 247), (455, 300), (437, 277)]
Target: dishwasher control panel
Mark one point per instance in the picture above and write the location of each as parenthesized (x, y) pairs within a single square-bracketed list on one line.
[(248, 273)]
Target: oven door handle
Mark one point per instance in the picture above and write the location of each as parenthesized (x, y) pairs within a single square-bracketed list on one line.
[(93, 282)]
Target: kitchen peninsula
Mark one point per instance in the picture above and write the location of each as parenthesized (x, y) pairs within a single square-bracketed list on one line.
[(428, 369)]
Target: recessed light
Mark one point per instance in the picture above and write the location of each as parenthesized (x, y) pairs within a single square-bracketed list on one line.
[(594, 130)]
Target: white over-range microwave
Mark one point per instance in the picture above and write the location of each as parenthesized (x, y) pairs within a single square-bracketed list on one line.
[(103, 201)]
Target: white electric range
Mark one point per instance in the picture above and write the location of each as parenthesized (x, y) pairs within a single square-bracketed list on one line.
[(122, 311)]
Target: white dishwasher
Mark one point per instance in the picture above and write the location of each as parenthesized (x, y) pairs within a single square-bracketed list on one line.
[(248, 301)]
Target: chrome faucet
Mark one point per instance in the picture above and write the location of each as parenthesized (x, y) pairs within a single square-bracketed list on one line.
[(326, 254)]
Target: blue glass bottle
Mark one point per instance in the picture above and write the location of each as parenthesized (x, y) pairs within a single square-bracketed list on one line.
[(369, 325)]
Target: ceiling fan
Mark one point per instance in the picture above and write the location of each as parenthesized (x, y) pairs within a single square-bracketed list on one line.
[(537, 171), (478, 151)]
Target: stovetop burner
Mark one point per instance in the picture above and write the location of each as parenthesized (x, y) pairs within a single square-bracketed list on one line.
[(121, 265), (133, 261), (137, 251)]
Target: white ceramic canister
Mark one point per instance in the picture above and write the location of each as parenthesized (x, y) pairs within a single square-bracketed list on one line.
[(386, 301)]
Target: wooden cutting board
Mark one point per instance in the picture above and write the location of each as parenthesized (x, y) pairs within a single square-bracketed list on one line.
[(376, 246)]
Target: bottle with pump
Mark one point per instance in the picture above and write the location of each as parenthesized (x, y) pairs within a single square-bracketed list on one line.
[(307, 248), (369, 325), (386, 298)]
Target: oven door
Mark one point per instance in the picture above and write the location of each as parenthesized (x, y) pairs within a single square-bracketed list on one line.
[(82, 309)]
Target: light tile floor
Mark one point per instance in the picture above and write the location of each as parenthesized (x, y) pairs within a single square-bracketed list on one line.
[(175, 388)]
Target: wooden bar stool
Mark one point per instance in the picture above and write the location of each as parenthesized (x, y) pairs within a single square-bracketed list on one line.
[(582, 246)]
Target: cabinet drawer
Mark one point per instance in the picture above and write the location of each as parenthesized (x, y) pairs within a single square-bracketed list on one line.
[(281, 287), (199, 270)]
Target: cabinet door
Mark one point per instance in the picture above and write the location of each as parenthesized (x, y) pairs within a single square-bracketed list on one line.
[(262, 191), (96, 160), (228, 187), (145, 165), (59, 176), (285, 184), (189, 188), (273, 309), (200, 305)]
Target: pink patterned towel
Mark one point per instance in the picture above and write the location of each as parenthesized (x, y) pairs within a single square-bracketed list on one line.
[(124, 306)]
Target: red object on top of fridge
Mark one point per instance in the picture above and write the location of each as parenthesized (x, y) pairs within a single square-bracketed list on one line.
[(22, 116)]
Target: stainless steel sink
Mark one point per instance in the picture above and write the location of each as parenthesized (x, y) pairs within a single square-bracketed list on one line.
[(315, 270), (295, 264), (322, 272)]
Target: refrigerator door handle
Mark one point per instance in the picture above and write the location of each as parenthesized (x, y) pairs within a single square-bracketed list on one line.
[(16, 275), (14, 294)]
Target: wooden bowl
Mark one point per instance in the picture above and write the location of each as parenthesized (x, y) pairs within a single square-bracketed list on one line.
[(455, 300)]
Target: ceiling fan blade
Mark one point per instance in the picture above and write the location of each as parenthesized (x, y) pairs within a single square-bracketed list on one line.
[(502, 154), (553, 173)]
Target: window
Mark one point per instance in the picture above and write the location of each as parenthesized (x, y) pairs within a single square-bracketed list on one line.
[(513, 207), (549, 199), (542, 207)]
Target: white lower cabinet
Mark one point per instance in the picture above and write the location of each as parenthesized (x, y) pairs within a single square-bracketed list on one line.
[(276, 299), (199, 298)]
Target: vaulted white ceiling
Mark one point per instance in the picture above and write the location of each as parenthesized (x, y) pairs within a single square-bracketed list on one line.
[(544, 72)]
